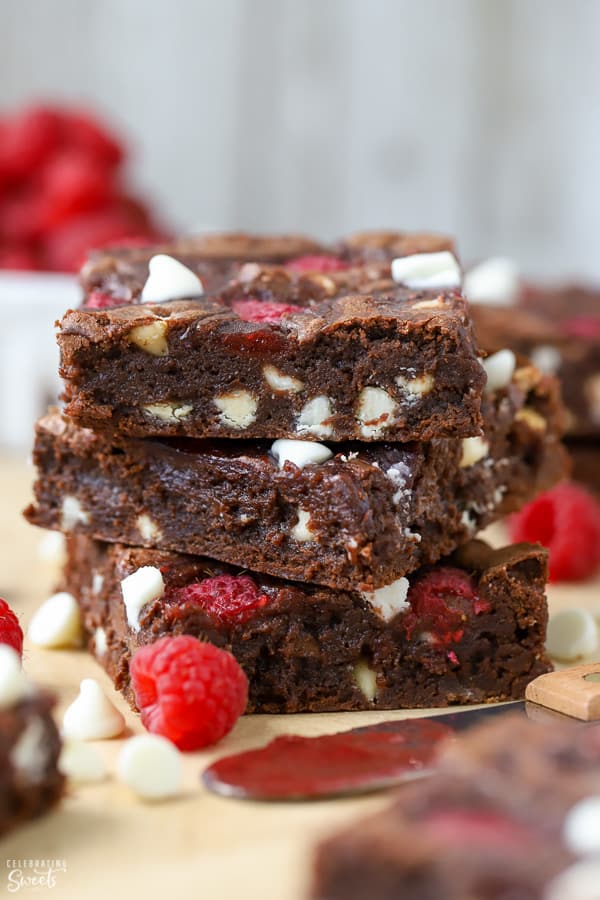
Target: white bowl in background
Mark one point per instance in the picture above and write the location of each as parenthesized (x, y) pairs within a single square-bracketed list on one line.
[(30, 303)]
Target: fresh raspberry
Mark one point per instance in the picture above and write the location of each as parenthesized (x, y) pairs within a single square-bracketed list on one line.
[(100, 300), (28, 140), (230, 598), (262, 311), (18, 259), (585, 327), (440, 603), (321, 264), (72, 183), (67, 245), (566, 520), (89, 136), (10, 631), (188, 691)]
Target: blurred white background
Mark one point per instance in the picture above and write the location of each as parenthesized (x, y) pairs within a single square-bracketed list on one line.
[(478, 117)]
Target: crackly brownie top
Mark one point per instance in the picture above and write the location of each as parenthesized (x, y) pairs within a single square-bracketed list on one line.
[(116, 275)]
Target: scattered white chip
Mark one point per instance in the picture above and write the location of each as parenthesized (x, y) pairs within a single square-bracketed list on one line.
[(581, 828), (238, 408), (388, 601), (499, 368), (97, 582), (314, 417), (169, 280), (151, 338), (81, 763), (30, 754), (366, 679), (149, 530), (280, 382), (301, 453), (13, 683), (474, 449), (72, 514), (151, 766), (52, 548), (100, 642), (546, 358), (581, 881), (572, 634), (57, 623), (494, 282), (418, 387), (427, 270), (92, 716), (168, 412), (138, 589), (301, 531), (375, 412)]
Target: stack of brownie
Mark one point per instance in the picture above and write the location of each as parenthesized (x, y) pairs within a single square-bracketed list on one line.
[(286, 449)]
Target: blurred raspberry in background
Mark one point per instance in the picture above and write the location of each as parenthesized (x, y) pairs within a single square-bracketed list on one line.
[(62, 190)]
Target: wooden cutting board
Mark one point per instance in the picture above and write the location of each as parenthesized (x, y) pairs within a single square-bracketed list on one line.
[(200, 845)]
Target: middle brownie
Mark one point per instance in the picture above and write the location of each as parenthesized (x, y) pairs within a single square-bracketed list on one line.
[(360, 518)]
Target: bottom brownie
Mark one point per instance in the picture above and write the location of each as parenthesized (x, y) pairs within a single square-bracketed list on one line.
[(470, 629), (30, 782), (488, 826)]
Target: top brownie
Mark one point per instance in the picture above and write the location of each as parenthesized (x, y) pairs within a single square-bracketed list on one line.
[(277, 353)]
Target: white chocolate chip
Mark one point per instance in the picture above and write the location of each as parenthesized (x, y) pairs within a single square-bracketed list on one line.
[(301, 531), (366, 679), (100, 642), (390, 600), (579, 882), (92, 716), (238, 408), (169, 280), (138, 589), (13, 683), (168, 412), (494, 282), (499, 368), (418, 387), (581, 827), (148, 528), (474, 449), (375, 411), (572, 634), (57, 623), (72, 514), (97, 582), (314, 417), (151, 338), (280, 382), (52, 548), (427, 270), (301, 453), (151, 766), (532, 418), (30, 754), (81, 763), (434, 303), (546, 358)]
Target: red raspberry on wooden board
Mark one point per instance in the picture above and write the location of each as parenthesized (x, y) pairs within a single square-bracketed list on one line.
[(10, 631), (188, 691), (231, 598), (566, 520)]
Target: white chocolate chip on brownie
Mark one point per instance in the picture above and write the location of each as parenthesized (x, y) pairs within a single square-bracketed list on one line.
[(314, 416), (151, 338), (390, 600), (301, 531), (168, 412), (280, 382), (419, 386), (238, 408), (72, 514), (427, 270), (474, 449), (148, 528), (301, 453), (169, 279), (138, 589), (375, 411)]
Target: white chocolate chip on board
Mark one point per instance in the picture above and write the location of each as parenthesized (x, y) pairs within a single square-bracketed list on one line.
[(151, 766), (390, 600), (139, 589), (81, 763), (13, 683), (168, 412), (499, 368), (276, 380), (92, 716), (578, 882), (301, 453), (366, 679), (301, 531), (72, 514), (581, 827), (52, 548), (494, 282), (572, 634), (151, 338), (375, 411), (238, 408), (57, 622), (474, 449), (427, 270), (169, 280), (314, 417), (148, 528), (418, 386)]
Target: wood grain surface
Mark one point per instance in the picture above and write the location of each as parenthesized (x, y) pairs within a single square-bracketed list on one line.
[(200, 845)]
